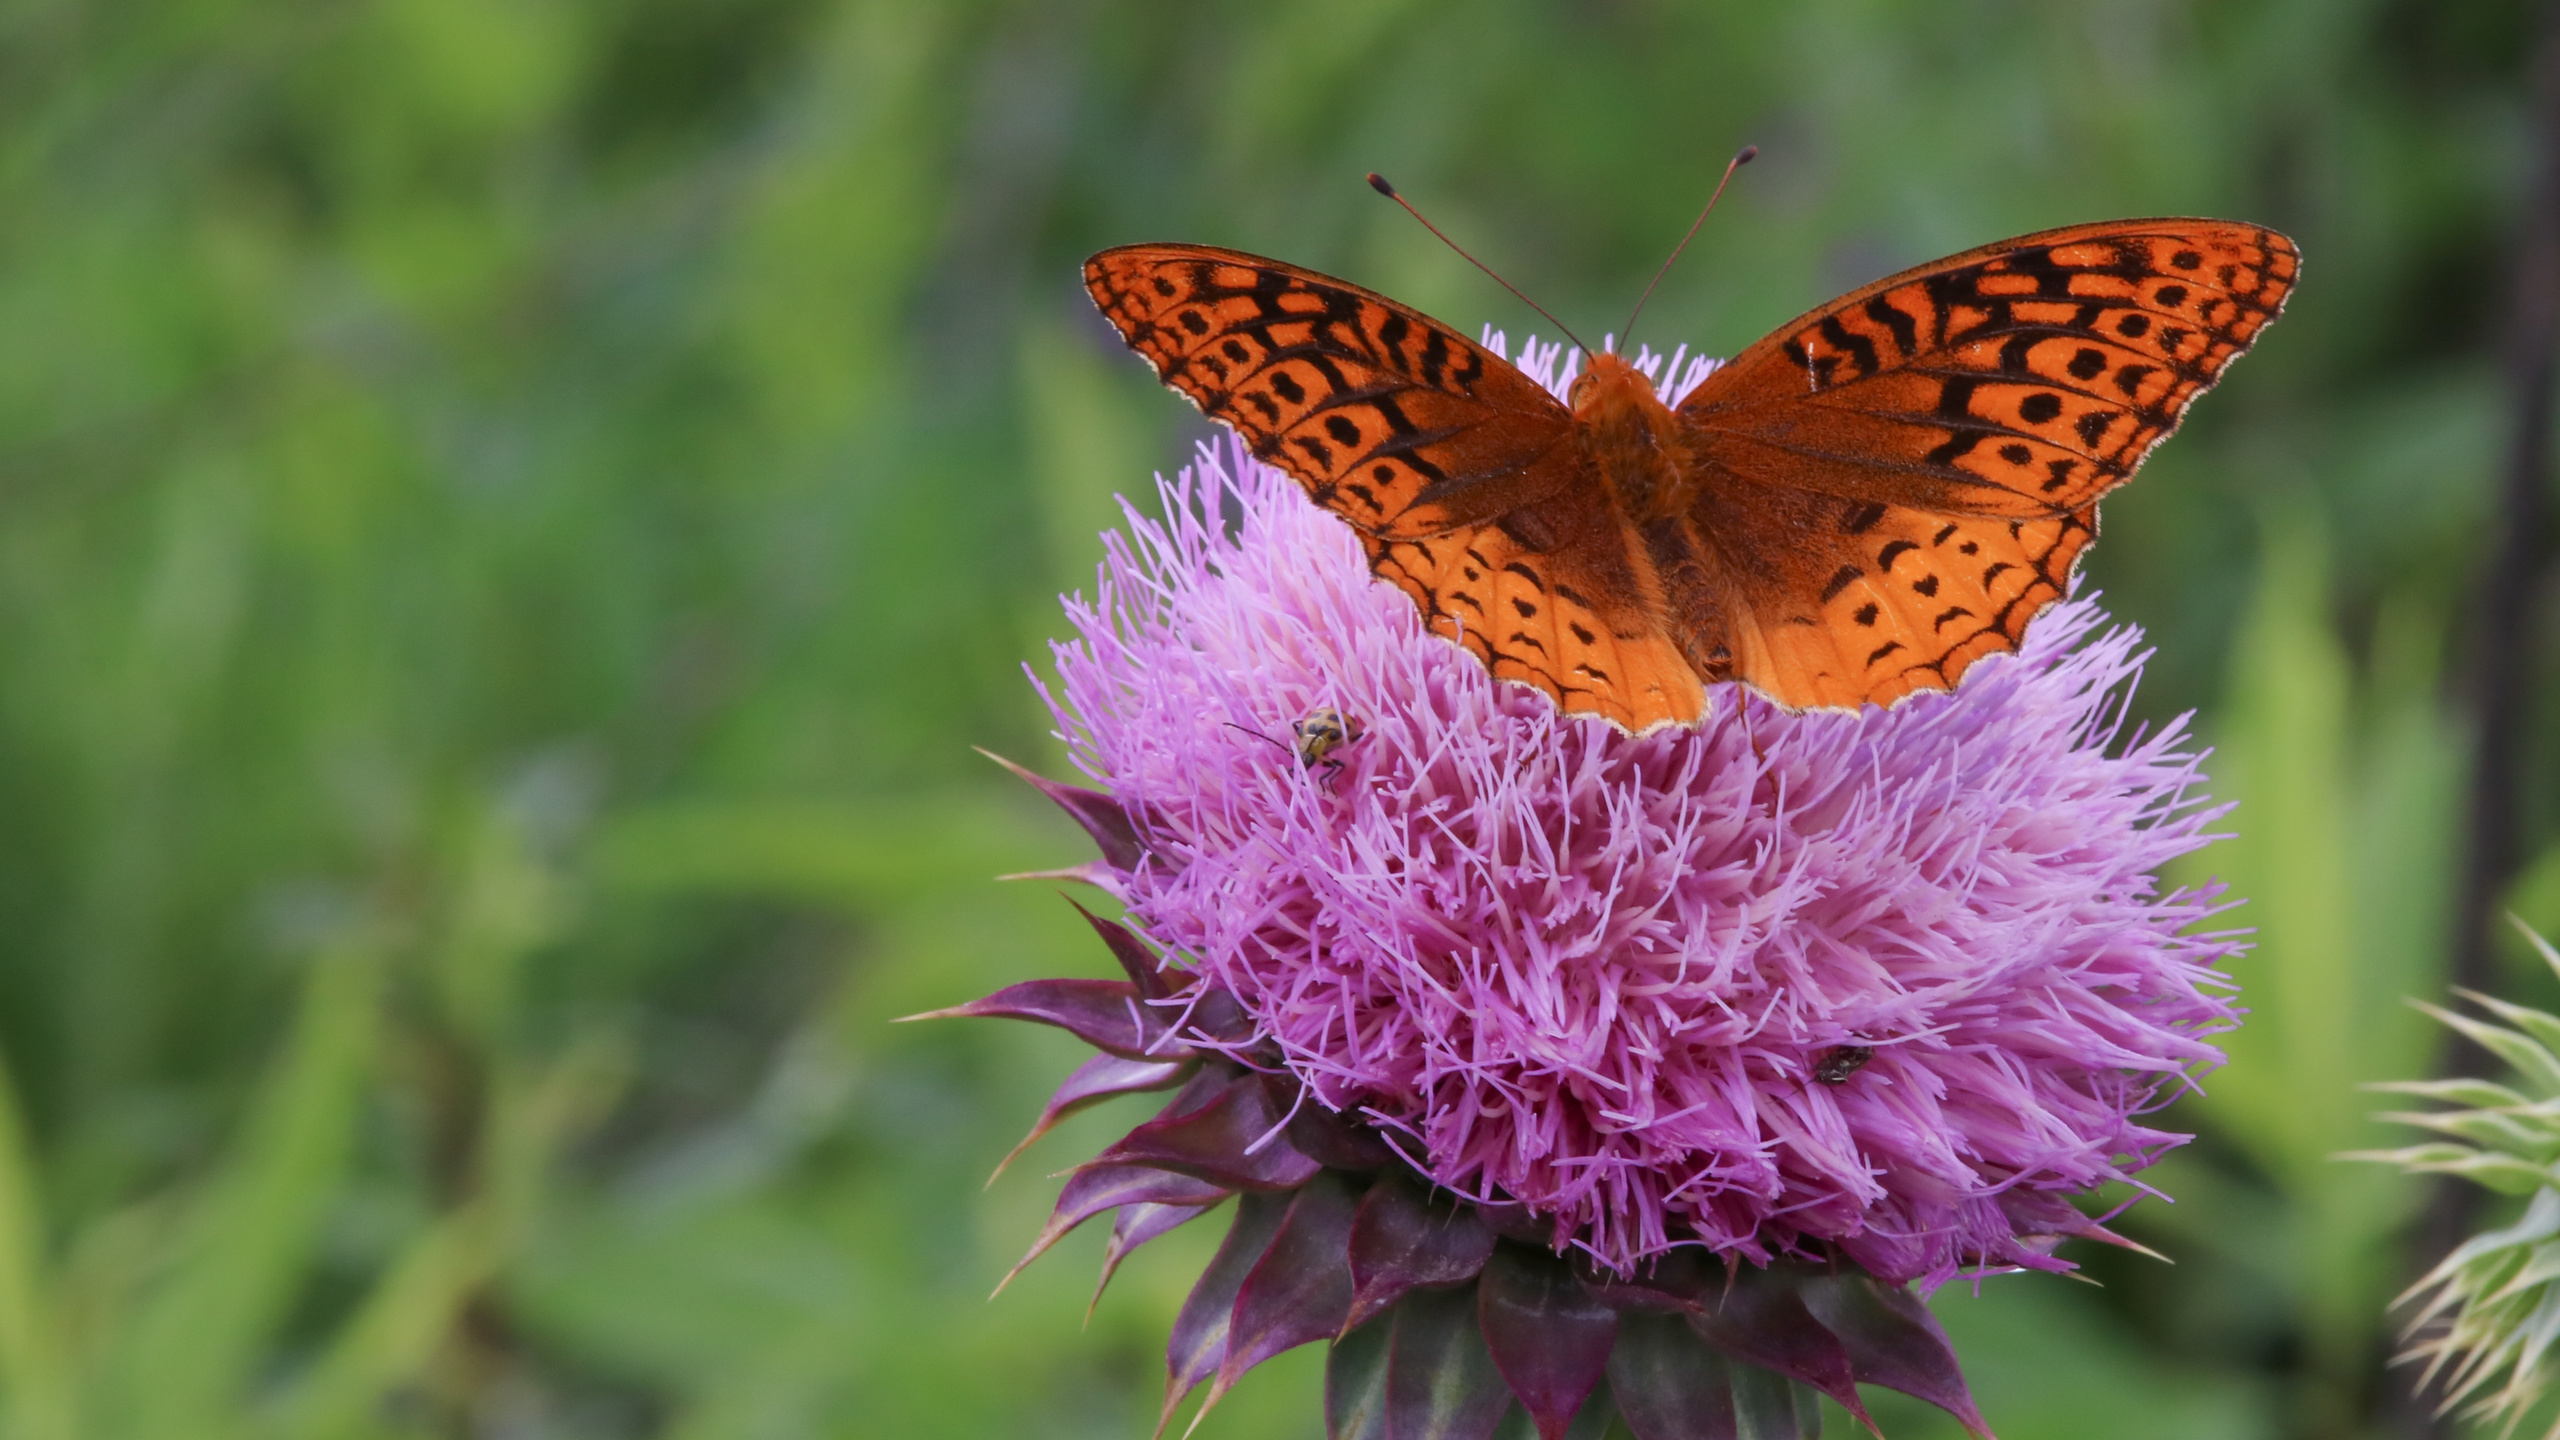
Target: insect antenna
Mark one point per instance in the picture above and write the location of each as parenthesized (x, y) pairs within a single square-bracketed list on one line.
[(1740, 159), (1379, 183), (1256, 734)]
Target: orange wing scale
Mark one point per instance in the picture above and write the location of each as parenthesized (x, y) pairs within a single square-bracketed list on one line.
[(1877, 495)]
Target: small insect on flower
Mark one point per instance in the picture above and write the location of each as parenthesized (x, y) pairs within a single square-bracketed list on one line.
[(1842, 1061), (1323, 731), (1319, 733)]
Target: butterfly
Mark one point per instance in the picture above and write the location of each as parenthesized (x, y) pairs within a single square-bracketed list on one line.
[(1856, 508)]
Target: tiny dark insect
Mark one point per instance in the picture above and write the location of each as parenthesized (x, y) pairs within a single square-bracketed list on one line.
[(1842, 1061), (1321, 732)]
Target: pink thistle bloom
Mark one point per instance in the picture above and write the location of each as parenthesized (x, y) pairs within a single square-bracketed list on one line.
[(1625, 982)]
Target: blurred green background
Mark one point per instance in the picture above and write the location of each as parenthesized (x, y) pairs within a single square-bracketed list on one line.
[(512, 513)]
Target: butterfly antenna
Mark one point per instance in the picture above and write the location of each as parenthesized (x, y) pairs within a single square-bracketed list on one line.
[(1379, 183), (1740, 159)]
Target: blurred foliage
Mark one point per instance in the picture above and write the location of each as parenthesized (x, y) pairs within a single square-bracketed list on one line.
[(512, 512)]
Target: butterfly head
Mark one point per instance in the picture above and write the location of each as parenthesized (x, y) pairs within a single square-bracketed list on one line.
[(1612, 388)]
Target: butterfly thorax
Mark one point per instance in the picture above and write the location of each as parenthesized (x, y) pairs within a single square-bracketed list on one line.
[(1633, 441)]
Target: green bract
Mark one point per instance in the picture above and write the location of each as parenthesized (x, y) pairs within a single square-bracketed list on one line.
[(2488, 1313)]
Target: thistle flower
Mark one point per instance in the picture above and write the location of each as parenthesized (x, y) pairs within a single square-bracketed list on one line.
[(1542, 1053), (2492, 1306)]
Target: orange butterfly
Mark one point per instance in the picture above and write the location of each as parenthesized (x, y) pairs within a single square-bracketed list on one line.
[(1857, 507)]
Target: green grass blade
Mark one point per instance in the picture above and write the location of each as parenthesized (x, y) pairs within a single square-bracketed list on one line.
[(399, 1327), (200, 1336), (395, 1335), (42, 1397)]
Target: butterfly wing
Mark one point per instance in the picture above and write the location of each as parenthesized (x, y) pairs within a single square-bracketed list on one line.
[(1900, 480), (1392, 420), (1543, 596)]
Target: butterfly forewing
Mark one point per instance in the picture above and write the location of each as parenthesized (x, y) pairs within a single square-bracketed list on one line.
[(2025, 378), (1393, 421)]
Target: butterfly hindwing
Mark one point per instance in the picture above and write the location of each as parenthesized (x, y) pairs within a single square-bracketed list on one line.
[(1543, 609), (2025, 378), (1393, 421), (1886, 600)]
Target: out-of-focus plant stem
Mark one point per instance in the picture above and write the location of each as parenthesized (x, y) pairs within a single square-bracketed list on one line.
[(2502, 620)]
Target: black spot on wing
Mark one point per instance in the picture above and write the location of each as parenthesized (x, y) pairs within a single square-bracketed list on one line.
[(1955, 402), (1906, 331), (1435, 359), (1859, 347)]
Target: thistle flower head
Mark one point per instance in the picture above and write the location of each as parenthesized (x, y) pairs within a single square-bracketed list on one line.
[(1621, 980)]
